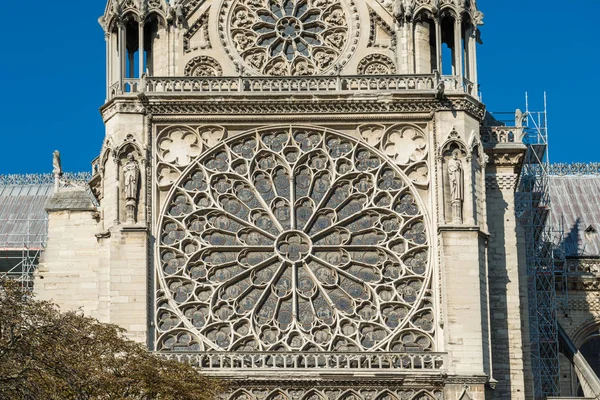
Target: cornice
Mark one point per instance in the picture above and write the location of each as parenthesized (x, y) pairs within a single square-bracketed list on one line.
[(244, 108)]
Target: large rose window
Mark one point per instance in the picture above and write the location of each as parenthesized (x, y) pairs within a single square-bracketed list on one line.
[(288, 37), (293, 239)]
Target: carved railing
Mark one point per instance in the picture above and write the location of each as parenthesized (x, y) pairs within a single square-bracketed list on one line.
[(583, 266), (469, 87), (293, 84), (562, 169), (501, 134), (43, 179), (317, 360)]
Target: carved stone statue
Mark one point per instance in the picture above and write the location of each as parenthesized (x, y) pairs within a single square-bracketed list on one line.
[(56, 164), (457, 187), (176, 12), (116, 7), (520, 118), (143, 7), (56, 169), (403, 9), (131, 173)]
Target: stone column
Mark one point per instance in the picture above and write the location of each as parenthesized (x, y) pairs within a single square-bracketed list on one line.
[(508, 280), (458, 70), (141, 52)]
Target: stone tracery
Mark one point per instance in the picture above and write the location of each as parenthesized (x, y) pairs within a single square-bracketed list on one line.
[(294, 239), (288, 37)]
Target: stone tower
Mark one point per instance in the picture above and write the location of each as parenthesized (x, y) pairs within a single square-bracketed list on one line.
[(294, 196)]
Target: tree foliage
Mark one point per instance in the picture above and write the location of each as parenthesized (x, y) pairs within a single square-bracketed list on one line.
[(46, 354)]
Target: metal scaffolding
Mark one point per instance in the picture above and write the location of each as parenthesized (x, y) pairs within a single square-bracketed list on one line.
[(545, 258), (20, 253), (24, 222)]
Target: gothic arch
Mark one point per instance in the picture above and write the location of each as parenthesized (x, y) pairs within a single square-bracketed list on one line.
[(277, 395), (241, 394), (585, 330), (313, 395), (424, 395), (386, 395), (350, 395)]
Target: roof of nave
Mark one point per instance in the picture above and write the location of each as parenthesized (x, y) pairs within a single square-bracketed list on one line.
[(575, 202), (23, 201)]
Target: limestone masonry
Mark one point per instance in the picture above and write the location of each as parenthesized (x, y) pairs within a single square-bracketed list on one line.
[(301, 197)]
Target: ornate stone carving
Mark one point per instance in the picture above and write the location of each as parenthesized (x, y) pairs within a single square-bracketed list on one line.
[(376, 64), (286, 38), (179, 146), (56, 169), (56, 164), (203, 66), (257, 249), (363, 392), (381, 34), (200, 28), (372, 133), (131, 175), (501, 181), (456, 177), (405, 144)]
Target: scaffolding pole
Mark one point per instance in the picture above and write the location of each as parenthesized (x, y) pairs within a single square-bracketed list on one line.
[(21, 251), (543, 255)]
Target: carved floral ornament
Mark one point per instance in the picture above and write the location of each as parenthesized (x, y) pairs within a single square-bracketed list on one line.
[(406, 145), (203, 66), (178, 146), (294, 238), (288, 37), (376, 64)]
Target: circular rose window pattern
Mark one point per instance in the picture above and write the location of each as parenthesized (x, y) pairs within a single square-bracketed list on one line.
[(293, 239), (287, 37)]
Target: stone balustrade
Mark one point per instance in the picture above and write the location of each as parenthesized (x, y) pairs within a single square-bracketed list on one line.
[(293, 84), (501, 134), (318, 360)]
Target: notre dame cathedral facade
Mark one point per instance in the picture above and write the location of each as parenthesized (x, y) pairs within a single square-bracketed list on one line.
[(294, 196)]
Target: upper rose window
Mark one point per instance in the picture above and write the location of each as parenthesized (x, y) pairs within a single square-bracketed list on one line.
[(288, 37)]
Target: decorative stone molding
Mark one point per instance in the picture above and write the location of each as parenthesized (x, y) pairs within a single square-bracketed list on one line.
[(376, 64), (501, 181), (139, 9), (584, 304), (506, 159), (378, 24), (203, 66), (407, 10), (331, 393), (199, 27)]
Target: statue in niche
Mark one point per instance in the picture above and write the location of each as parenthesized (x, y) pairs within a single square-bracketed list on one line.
[(457, 186), (131, 173)]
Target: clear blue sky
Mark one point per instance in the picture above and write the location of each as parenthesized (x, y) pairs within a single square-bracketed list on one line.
[(52, 69)]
